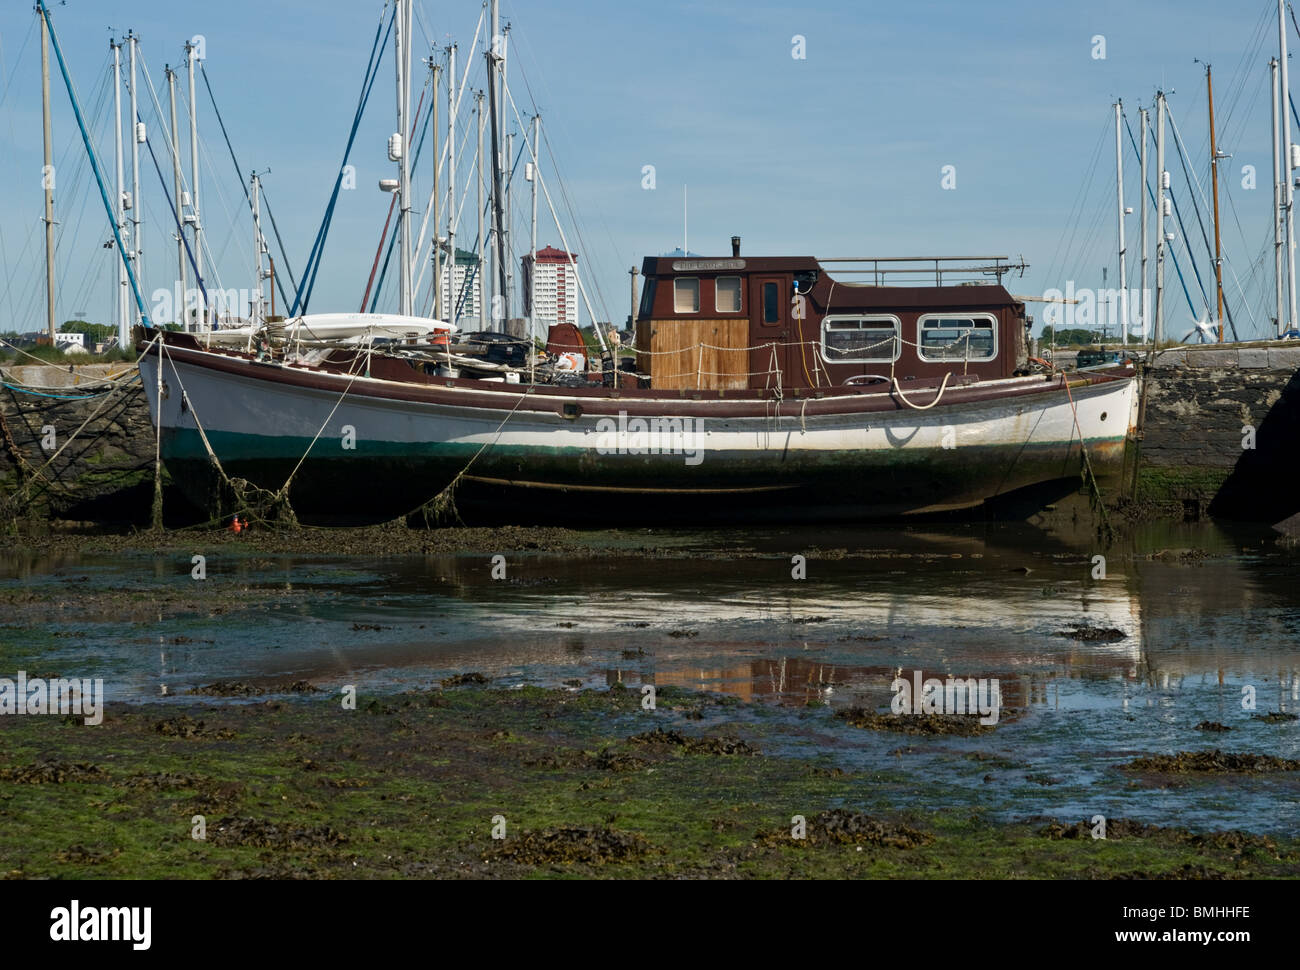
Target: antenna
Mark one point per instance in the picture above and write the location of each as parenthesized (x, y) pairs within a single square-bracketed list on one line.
[(685, 249)]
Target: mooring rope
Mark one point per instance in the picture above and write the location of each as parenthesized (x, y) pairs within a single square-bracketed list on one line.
[(444, 499), (72, 437), (284, 489), (918, 407), (1089, 476), (240, 488)]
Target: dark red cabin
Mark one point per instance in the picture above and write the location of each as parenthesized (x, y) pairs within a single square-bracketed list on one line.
[(752, 323)]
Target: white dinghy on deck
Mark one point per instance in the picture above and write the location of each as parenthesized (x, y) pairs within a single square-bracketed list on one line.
[(333, 329)]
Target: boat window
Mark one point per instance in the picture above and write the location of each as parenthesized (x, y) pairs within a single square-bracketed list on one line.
[(686, 294), (964, 337), (771, 308), (647, 298), (859, 339), (728, 295)]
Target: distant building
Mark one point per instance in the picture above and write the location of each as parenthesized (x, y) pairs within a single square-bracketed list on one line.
[(468, 298), (71, 343), (557, 287)]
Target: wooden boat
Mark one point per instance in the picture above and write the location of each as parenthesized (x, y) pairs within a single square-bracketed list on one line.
[(760, 387)]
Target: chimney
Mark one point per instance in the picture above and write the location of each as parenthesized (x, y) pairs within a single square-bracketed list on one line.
[(735, 246)]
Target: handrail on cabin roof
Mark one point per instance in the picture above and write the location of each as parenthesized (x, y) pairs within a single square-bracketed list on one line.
[(930, 265), (909, 259)]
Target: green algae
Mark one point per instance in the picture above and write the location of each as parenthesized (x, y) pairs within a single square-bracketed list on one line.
[(418, 784)]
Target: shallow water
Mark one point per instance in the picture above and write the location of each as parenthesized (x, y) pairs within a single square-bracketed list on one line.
[(724, 614)]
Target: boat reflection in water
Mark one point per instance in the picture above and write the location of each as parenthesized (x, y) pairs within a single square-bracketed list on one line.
[(1223, 620)]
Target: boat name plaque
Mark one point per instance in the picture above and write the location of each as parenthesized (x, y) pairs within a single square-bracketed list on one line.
[(706, 265)]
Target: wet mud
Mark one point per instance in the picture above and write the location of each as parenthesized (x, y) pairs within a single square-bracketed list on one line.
[(844, 827), (228, 688), (693, 745), (961, 725), (1123, 828), (569, 846), (1211, 762)]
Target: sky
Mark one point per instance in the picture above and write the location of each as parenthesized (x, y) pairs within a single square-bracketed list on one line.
[(839, 152)]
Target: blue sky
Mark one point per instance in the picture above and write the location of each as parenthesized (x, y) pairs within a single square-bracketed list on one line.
[(836, 154)]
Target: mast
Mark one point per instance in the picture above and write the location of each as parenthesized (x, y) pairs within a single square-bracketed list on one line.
[(495, 55), (631, 307), (532, 245), (478, 184), (1162, 183), (49, 173), (94, 160), (1119, 187), (1144, 302), (177, 182), (256, 315), (452, 313), (137, 136), (1288, 188), (1277, 202), (437, 247), (507, 245), (507, 174), (1214, 178), (398, 153), (201, 317), (118, 211)]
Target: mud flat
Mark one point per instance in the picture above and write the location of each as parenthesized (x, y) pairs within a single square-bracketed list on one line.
[(580, 782), (372, 541)]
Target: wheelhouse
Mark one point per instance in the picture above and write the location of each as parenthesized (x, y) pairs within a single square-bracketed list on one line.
[(787, 322)]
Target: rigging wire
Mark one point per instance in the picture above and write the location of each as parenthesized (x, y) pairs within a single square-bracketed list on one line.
[(1152, 197), (303, 293), (1077, 207), (239, 174), (1192, 181)]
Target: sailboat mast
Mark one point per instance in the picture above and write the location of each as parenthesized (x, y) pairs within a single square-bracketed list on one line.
[(401, 50), (1119, 190), (478, 194), (495, 55), (1279, 323), (137, 131), (507, 175), (437, 201), (48, 178), (1214, 179), (1288, 187), (201, 320), (532, 247), (1162, 183), (256, 313), (1144, 300), (507, 244), (118, 211), (177, 193), (452, 311)]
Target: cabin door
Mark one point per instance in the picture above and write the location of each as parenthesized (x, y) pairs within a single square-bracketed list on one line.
[(771, 334)]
